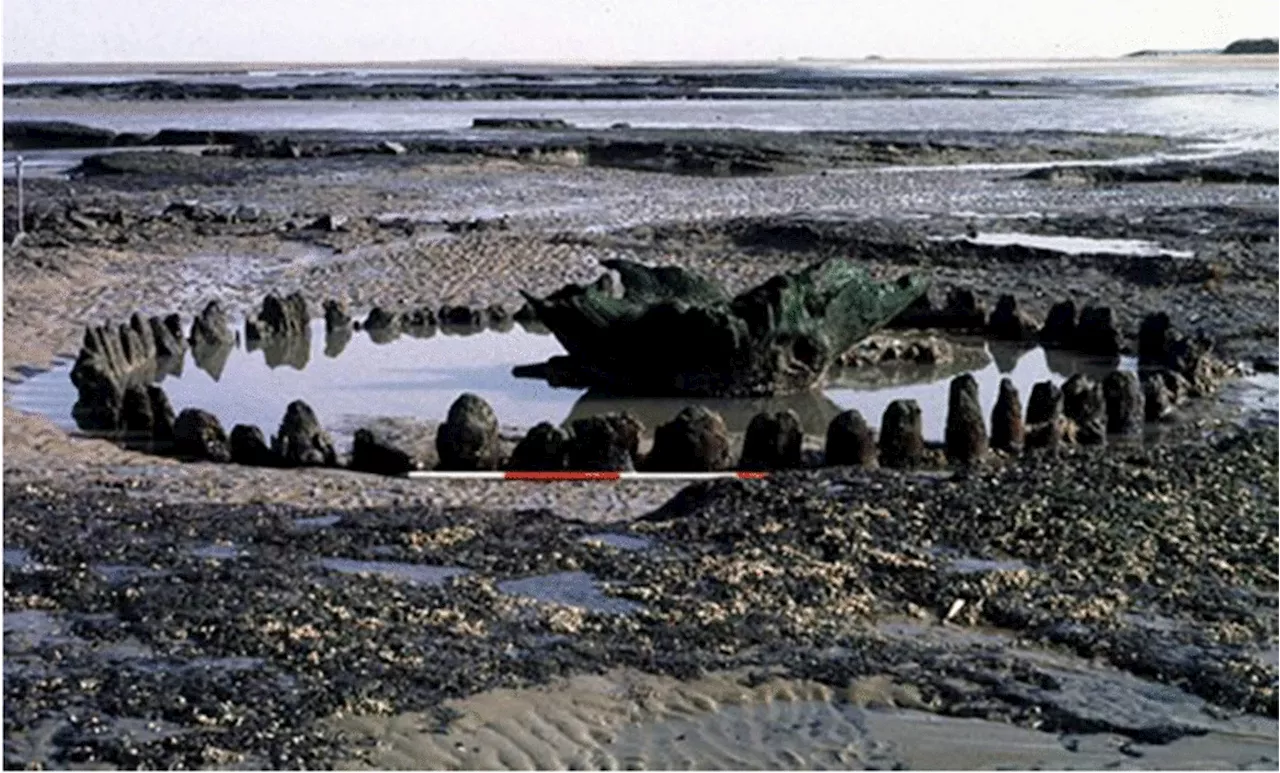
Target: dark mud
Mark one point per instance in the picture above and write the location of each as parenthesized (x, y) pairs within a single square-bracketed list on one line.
[(1218, 269), (789, 82), (1245, 168), (706, 152), (136, 644)]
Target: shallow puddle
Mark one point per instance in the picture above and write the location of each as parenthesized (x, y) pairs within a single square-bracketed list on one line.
[(316, 522), (225, 664), (1269, 656), (619, 541), (570, 589), (350, 381), (1258, 397), (979, 565), (31, 622), (118, 574), (217, 552), (18, 559), (420, 574), (129, 651), (31, 628)]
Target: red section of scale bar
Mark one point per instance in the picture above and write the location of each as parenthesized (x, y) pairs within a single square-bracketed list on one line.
[(561, 475)]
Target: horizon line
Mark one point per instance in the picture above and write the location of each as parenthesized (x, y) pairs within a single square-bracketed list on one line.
[(1154, 52)]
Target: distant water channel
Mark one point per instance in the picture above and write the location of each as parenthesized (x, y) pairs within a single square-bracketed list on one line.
[(348, 383)]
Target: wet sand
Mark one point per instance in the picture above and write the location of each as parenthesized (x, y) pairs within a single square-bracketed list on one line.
[(629, 720)]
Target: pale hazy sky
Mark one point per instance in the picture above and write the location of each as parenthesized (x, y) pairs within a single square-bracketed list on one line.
[(602, 30)]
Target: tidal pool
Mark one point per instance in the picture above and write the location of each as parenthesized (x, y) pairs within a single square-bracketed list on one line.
[(418, 574), (349, 380), (570, 589)]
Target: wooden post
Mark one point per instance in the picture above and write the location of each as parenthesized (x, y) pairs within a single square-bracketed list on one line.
[(21, 208)]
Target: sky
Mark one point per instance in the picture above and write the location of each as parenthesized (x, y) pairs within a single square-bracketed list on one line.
[(605, 30)]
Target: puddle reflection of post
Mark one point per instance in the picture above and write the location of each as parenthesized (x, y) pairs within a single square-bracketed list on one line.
[(336, 341), (211, 358)]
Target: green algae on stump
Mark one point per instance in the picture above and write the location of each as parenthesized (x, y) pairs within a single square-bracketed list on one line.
[(670, 331)]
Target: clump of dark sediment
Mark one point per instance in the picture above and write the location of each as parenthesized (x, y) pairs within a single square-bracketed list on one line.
[(1228, 251), (239, 653), (30, 135), (704, 152), (520, 123), (895, 243), (789, 82), (986, 516), (1251, 168), (51, 220)]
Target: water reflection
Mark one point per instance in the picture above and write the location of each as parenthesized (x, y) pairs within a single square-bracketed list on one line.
[(1032, 366), (336, 341), (1006, 354), (570, 589), (383, 335), (419, 574), (294, 351), (349, 379), (1067, 364), (815, 409), (212, 358)]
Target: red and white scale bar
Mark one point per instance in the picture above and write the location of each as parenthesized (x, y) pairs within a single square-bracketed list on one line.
[(569, 475)]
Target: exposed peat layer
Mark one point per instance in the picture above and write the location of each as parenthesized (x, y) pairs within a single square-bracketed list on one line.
[(1157, 561), (160, 613)]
